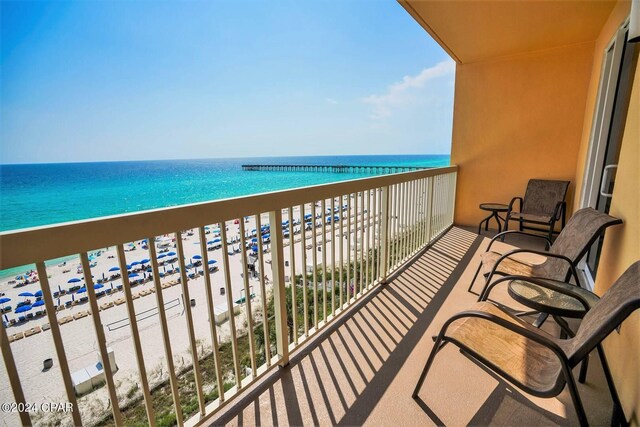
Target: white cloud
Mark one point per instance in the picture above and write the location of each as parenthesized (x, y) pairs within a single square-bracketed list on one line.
[(331, 101), (399, 93)]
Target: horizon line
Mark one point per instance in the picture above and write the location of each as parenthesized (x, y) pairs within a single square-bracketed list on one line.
[(218, 158)]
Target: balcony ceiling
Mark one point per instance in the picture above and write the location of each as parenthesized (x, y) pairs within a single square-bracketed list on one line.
[(477, 30)]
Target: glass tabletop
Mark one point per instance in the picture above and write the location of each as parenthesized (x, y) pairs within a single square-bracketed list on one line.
[(550, 301), (498, 207)]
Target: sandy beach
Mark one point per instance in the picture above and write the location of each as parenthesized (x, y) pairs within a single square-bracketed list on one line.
[(79, 335)]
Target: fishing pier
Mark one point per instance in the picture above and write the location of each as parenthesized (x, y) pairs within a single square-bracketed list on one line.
[(332, 168)]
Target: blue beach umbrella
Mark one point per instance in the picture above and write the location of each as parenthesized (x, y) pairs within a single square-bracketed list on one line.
[(135, 263), (212, 261), (197, 257), (146, 260), (161, 256), (74, 280), (25, 294), (22, 309), (217, 240), (38, 303), (171, 254), (254, 240), (254, 248), (4, 300), (38, 294), (82, 290), (133, 275), (98, 286), (114, 269)]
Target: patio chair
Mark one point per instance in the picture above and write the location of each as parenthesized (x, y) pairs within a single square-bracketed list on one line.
[(531, 359), (573, 242), (543, 204)]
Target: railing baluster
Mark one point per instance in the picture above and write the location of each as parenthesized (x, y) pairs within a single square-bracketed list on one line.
[(212, 314), (385, 244), (376, 232), (58, 343), (292, 269), (314, 259), (102, 342), (405, 219), (349, 264), (333, 256), (279, 290), (230, 311), (135, 334), (187, 308), (422, 212), (361, 243), (166, 341), (396, 237), (247, 299), (367, 241), (324, 260), (303, 232), (14, 378), (414, 214), (429, 209), (341, 251), (263, 291)]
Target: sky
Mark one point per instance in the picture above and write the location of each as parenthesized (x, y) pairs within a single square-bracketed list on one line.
[(140, 80)]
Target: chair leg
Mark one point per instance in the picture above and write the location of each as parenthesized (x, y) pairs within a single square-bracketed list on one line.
[(475, 276), (618, 417), (427, 366), (540, 320), (575, 397), (584, 366)]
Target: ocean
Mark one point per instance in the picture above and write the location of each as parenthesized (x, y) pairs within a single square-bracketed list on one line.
[(40, 194)]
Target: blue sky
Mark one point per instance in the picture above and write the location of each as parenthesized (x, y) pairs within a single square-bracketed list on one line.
[(133, 80)]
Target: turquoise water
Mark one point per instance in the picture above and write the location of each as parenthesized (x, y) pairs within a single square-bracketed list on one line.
[(40, 194)]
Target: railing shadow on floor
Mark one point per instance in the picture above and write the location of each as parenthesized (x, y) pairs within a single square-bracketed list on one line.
[(363, 351)]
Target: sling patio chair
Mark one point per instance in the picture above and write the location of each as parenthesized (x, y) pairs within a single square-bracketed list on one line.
[(581, 231), (543, 205), (533, 360)]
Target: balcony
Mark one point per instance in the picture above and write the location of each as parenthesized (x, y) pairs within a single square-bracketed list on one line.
[(348, 354)]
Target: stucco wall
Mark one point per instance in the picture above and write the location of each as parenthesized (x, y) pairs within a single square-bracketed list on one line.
[(517, 118)]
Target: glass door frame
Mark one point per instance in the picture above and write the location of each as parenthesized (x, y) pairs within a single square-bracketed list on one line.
[(600, 130)]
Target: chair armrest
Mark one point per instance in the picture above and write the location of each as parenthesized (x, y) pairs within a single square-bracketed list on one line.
[(558, 210), (572, 267), (511, 203), (504, 233)]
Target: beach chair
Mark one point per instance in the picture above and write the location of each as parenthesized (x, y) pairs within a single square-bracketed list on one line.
[(531, 359), (543, 204)]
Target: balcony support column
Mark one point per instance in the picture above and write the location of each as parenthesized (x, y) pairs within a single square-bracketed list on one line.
[(279, 291)]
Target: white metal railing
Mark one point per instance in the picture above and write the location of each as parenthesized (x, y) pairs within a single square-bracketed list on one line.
[(324, 248)]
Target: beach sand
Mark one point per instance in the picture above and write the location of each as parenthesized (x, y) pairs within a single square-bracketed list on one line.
[(79, 335)]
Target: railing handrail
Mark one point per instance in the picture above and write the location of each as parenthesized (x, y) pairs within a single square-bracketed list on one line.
[(37, 244)]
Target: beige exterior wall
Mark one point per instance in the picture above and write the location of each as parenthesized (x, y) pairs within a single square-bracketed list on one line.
[(517, 118), (622, 244)]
